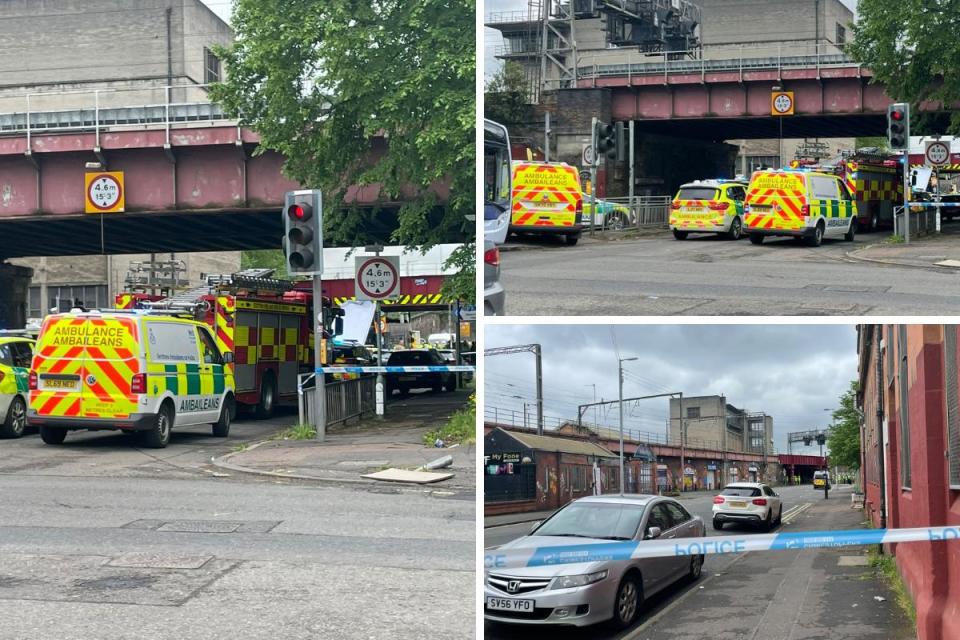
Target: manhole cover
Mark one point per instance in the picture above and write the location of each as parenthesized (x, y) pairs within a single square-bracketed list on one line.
[(159, 560), (200, 526)]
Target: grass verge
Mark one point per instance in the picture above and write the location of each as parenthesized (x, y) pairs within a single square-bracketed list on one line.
[(299, 432), (885, 565), (896, 238), (460, 428)]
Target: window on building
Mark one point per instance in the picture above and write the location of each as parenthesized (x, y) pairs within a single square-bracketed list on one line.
[(211, 67), (33, 301), (761, 162), (693, 412), (953, 404), (902, 381), (841, 34), (888, 346), (65, 298), (756, 443)]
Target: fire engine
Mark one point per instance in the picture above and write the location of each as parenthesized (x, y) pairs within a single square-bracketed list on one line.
[(874, 181), (265, 322)]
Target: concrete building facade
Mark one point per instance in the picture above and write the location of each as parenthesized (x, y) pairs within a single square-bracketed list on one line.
[(82, 54), (910, 447)]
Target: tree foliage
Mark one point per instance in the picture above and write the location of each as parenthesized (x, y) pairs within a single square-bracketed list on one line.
[(844, 439), (911, 47), (320, 80), (505, 97)]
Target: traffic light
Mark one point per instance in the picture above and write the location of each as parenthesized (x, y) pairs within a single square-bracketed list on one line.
[(821, 439), (898, 125), (303, 232), (606, 137)]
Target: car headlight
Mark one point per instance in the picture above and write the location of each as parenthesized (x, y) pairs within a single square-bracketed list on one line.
[(568, 582)]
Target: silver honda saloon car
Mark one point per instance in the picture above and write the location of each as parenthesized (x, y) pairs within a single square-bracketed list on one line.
[(592, 592)]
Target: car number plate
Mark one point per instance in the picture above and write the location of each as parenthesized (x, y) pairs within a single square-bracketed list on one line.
[(59, 384), (738, 504), (407, 378), (761, 209), (506, 604)]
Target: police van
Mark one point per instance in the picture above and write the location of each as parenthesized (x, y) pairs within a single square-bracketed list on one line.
[(138, 372), (803, 204), (16, 350)]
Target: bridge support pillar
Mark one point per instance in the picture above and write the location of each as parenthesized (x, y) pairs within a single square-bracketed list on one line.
[(14, 282)]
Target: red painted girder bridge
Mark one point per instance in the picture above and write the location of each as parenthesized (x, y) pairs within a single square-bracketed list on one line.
[(188, 187), (730, 99)]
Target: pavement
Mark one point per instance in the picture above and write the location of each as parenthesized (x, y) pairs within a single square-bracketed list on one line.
[(922, 252), (372, 444)]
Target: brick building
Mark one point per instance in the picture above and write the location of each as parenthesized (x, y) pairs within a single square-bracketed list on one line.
[(910, 400)]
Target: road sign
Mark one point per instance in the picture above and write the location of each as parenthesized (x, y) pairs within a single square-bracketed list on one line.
[(377, 277), (103, 192), (586, 155), (781, 103), (937, 153)]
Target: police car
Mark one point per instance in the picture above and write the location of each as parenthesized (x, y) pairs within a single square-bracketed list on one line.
[(135, 371), (16, 350), (708, 206)]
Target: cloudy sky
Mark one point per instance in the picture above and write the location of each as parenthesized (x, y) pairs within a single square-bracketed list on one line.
[(788, 371), (491, 37), (220, 7)]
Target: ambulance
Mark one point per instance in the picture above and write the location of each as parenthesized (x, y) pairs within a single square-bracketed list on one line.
[(16, 351), (812, 205), (708, 206), (139, 372), (547, 200)]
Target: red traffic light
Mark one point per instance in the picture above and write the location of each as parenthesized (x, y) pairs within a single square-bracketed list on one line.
[(300, 212), (896, 115)]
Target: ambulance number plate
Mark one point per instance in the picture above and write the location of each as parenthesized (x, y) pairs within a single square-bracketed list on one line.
[(59, 382)]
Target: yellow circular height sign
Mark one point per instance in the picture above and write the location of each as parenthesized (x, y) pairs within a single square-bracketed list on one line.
[(103, 192), (781, 103)]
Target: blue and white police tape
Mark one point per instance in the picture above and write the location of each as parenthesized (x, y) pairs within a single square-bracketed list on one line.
[(633, 550), (421, 369), (934, 205)]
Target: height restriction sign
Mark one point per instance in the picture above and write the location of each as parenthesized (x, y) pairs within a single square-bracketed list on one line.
[(377, 278), (937, 153), (103, 192), (781, 103)]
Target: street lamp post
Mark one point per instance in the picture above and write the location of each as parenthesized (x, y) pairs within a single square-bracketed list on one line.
[(620, 404)]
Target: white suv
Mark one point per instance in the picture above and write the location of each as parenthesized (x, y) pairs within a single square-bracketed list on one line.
[(750, 502)]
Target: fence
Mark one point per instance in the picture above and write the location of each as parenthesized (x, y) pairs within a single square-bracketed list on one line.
[(628, 214), (346, 399)]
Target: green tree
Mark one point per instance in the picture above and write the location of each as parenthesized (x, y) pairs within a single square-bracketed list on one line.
[(911, 47), (844, 439), (319, 80), (506, 96), (265, 259)]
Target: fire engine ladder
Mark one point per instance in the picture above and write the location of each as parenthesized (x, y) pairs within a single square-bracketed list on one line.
[(185, 301), (253, 280)]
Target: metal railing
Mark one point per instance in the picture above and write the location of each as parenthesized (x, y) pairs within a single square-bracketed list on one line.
[(346, 399), (85, 110), (628, 214), (711, 58), (504, 17)]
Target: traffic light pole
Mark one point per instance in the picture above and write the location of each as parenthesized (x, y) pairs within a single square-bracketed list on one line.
[(319, 389)]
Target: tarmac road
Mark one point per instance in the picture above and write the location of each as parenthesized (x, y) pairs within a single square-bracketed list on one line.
[(768, 595), (708, 275), (101, 539)]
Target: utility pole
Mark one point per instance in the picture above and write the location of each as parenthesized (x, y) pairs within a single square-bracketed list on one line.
[(683, 451), (533, 348), (620, 403)]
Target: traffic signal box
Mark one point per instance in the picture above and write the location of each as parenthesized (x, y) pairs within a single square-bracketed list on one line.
[(898, 125), (303, 232)]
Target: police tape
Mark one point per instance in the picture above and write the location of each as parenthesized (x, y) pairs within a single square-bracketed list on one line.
[(398, 369), (634, 550), (933, 205)]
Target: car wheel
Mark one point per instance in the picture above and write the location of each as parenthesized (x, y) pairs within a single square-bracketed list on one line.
[(158, 436), (268, 397), (851, 232), (680, 235), (221, 428), (438, 386), (451, 384), (717, 524), (626, 606), (756, 238), (817, 238), (874, 221), (571, 240), (404, 391), (52, 435), (780, 516), (696, 567), (736, 227), (768, 523), (16, 420)]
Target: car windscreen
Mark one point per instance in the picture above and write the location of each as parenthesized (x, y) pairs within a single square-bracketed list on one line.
[(697, 193), (594, 520), (743, 492)]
